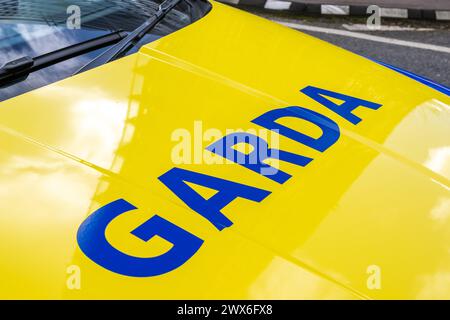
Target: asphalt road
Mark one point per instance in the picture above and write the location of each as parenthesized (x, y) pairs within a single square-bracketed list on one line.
[(432, 63)]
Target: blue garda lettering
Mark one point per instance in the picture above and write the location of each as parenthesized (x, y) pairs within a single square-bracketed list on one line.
[(345, 109), (330, 130), (254, 160), (92, 241), (91, 233), (210, 208)]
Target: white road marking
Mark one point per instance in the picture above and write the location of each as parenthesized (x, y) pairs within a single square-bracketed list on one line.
[(364, 36), (363, 27), (337, 10)]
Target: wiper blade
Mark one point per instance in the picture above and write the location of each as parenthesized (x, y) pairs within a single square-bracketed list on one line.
[(132, 38), (19, 69)]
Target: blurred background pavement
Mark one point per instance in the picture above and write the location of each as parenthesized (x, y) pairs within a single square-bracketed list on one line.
[(421, 46)]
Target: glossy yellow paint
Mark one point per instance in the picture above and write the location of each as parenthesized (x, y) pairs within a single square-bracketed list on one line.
[(380, 196)]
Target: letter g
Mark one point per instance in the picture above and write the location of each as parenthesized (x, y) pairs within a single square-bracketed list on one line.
[(92, 241)]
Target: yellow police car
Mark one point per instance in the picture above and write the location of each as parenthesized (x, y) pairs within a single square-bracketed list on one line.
[(188, 150)]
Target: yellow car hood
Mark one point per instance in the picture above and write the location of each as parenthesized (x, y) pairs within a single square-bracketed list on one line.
[(368, 218)]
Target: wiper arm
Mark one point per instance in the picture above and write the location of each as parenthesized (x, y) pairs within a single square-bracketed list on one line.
[(19, 69), (132, 38)]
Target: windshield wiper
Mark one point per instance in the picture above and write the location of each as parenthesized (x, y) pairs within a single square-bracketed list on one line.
[(132, 38), (19, 69)]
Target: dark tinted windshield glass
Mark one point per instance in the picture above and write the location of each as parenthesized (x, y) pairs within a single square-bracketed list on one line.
[(35, 27)]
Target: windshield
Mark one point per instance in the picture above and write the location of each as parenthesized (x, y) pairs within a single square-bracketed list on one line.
[(35, 27)]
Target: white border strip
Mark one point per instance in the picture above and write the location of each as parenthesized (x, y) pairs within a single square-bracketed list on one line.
[(335, 10), (341, 10), (230, 1), (277, 5), (442, 15), (394, 13)]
